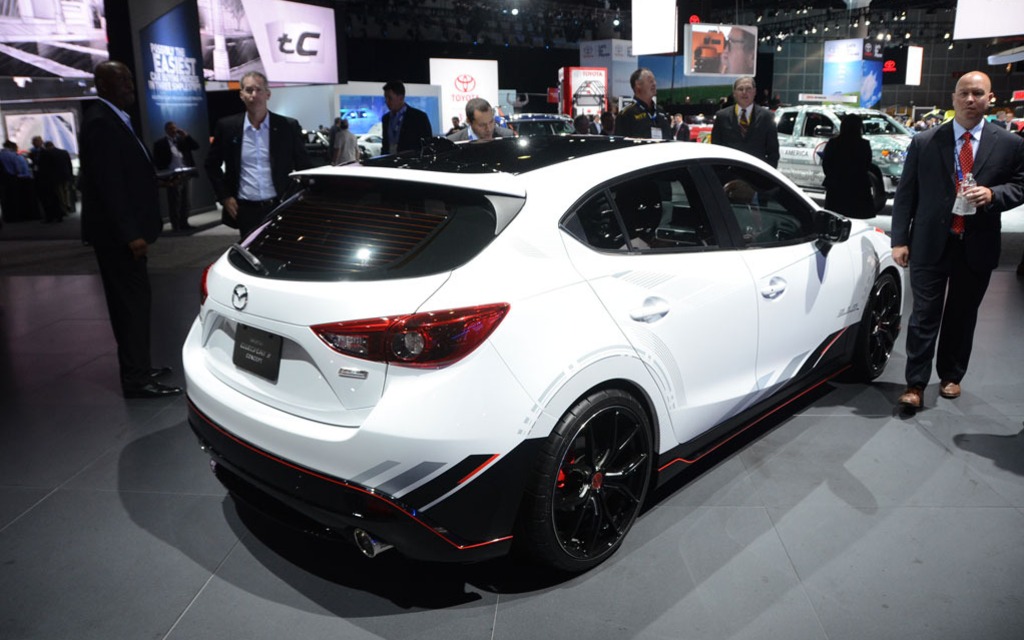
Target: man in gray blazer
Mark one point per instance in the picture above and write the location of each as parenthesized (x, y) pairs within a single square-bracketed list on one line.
[(951, 257), (480, 117), (746, 126)]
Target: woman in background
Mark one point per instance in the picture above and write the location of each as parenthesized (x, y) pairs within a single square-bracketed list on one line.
[(846, 161)]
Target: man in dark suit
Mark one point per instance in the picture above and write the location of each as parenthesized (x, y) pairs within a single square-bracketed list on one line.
[(643, 118), (480, 123), (404, 127), (680, 130), (174, 152), (951, 257), (258, 149), (746, 126), (120, 219)]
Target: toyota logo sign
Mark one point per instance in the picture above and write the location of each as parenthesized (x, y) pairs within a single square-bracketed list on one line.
[(465, 83)]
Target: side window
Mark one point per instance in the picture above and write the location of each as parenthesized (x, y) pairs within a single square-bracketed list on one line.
[(812, 122), (594, 223), (658, 213), (786, 123), (766, 211), (663, 212)]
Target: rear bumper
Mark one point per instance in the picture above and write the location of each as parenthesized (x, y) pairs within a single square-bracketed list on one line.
[(309, 498)]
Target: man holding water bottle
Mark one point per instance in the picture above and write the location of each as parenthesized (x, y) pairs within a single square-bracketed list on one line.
[(957, 180)]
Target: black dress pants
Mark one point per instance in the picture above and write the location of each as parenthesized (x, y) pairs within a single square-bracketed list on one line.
[(251, 214), (947, 296), (129, 299)]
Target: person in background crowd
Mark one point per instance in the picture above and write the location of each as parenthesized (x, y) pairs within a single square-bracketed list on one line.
[(252, 154), (18, 203), (607, 123), (346, 147), (480, 117), (581, 124), (951, 257), (173, 152), (120, 219), (846, 161), (404, 127), (456, 125), (680, 131), (643, 119), (65, 177), (746, 126)]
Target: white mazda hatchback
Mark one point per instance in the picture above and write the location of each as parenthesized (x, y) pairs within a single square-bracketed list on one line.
[(507, 344)]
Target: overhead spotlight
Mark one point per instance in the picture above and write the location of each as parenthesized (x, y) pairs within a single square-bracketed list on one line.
[(778, 47), (616, 22), (759, 16), (880, 36), (906, 36), (814, 29), (950, 47), (946, 37), (515, 11), (826, 28), (888, 37), (856, 23)]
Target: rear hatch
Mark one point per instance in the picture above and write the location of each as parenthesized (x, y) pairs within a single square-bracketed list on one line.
[(347, 248)]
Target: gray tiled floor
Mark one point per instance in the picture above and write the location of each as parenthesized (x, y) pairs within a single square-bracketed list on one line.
[(839, 520)]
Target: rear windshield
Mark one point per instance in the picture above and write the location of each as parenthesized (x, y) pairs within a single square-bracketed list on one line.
[(343, 228)]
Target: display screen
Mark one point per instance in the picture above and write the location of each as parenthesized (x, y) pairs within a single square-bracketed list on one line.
[(720, 50), (55, 42), (56, 127), (363, 112), (289, 42)]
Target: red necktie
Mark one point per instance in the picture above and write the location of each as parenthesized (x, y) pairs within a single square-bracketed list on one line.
[(966, 165)]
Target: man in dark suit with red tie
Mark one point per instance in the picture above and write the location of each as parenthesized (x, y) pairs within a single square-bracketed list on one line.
[(120, 219), (746, 126), (951, 257)]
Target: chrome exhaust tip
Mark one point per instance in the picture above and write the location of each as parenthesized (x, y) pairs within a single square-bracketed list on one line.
[(370, 546)]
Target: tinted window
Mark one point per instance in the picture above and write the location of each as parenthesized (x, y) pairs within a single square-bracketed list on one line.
[(786, 123), (813, 120), (651, 213), (355, 229), (766, 212)]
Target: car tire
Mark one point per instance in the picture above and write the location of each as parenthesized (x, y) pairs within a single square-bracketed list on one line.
[(589, 484), (879, 328), (878, 194)]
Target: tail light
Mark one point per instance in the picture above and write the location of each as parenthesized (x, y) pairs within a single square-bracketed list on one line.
[(424, 340), (204, 290)]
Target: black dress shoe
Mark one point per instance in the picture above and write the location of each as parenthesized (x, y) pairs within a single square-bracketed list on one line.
[(151, 390), (160, 372)]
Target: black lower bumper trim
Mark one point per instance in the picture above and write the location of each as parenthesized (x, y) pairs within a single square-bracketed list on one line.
[(281, 488)]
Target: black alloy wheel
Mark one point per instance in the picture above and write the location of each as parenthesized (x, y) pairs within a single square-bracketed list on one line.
[(590, 482), (880, 326)]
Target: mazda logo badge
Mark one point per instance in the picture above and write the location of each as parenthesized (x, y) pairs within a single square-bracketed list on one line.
[(239, 297)]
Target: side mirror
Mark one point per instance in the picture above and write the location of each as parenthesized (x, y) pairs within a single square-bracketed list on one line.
[(831, 229)]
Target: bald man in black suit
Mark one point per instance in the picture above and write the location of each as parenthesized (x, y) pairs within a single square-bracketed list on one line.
[(952, 260)]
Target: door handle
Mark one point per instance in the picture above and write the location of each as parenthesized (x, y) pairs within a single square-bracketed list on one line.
[(652, 309), (775, 287)]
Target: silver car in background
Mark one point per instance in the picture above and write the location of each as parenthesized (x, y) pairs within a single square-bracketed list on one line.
[(804, 130)]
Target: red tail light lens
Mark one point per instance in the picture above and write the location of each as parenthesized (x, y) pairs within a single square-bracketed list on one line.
[(425, 340), (204, 291)]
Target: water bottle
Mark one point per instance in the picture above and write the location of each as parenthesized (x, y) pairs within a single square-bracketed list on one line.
[(963, 206)]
